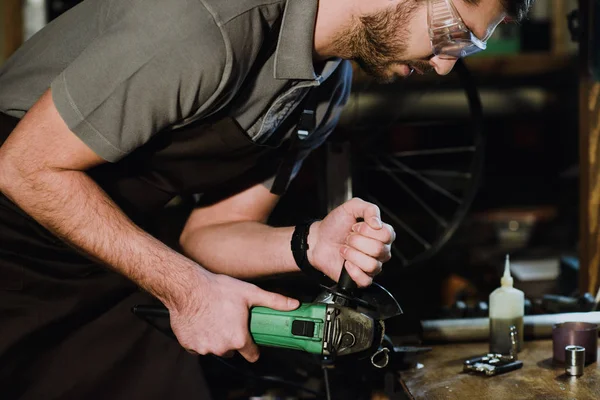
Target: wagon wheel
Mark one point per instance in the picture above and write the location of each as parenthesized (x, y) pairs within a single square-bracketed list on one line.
[(424, 190)]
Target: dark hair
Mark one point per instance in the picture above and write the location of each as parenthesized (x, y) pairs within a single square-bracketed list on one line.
[(516, 9)]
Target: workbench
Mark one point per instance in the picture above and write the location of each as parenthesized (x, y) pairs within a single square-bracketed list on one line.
[(439, 376)]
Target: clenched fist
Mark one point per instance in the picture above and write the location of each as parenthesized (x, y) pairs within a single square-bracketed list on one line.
[(340, 240)]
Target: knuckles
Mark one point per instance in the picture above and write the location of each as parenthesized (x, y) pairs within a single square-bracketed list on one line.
[(187, 345), (387, 255), (196, 350), (380, 249), (357, 201), (364, 281), (374, 247), (389, 234), (219, 348), (359, 276), (238, 342), (374, 267), (371, 266), (374, 209), (221, 351)]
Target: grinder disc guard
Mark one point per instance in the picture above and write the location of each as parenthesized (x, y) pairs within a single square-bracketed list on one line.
[(374, 301)]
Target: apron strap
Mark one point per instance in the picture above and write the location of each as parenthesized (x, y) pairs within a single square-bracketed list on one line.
[(7, 125), (306, 127)]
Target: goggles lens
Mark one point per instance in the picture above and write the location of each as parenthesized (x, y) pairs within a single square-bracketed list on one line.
[(450, 37)]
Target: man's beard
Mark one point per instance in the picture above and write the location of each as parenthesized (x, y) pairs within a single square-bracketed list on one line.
[(378, 41)]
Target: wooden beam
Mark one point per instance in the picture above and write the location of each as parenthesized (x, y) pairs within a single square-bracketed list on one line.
[(12, 12), (589, 161), (560, 34)]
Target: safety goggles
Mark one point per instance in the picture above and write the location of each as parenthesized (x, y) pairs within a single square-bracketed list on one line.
[(450, 37)]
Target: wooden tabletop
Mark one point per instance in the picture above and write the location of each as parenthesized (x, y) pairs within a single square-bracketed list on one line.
[(439, 376)]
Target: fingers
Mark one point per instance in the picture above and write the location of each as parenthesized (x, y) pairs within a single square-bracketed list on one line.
[(276, 301), (386, 235), (223, 345), (369, 212), (371, 247), (250, 350), (240, 341), (263, 298), (367, 264), (222, 326), (368, 249), (243, 343), (362, 280), (226, 354)]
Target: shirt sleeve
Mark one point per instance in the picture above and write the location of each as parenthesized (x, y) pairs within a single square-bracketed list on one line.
[(150, 67)]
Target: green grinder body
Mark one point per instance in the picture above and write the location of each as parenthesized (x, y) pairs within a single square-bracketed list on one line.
[(301, 329)]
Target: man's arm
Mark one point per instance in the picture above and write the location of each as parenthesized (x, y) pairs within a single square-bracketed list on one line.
[(42, 166), (41, 170), (231, 237)]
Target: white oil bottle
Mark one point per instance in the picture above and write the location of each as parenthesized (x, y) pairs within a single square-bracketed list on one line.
[(507, 308)]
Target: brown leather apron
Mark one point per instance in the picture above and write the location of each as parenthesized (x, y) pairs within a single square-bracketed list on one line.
[(66, 330)]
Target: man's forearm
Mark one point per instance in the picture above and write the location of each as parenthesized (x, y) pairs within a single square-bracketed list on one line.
[(73, 207), (244, 250)]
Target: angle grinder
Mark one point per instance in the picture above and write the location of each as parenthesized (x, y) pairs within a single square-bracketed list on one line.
[(342, 321)]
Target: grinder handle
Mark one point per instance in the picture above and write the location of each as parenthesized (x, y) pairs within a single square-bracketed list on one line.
[(300, 329), (345, 283)]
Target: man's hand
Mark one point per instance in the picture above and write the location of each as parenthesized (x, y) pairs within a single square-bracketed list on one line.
[(363, 246), (215, 318)]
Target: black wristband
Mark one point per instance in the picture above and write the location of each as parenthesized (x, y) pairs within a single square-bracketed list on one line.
[(299, 250)]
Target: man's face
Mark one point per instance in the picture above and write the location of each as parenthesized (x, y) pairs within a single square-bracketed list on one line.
[(391, 38)]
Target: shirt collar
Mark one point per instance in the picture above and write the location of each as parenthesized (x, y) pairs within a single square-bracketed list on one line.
[(294, 54)]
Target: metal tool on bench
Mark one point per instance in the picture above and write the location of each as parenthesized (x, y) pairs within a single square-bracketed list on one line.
[(495, 364), (342, 321)]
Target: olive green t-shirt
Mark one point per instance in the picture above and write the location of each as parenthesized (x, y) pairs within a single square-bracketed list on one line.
[(121, 71)]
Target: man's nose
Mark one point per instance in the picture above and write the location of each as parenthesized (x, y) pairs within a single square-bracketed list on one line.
[(442, 66)]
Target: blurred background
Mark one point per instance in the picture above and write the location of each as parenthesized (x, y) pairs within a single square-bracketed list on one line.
[(470, 167)]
